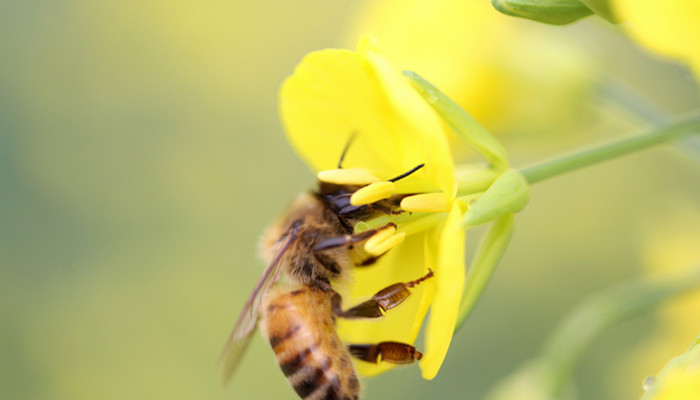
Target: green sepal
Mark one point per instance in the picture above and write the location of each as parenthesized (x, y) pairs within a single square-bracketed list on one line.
[(508, 194), (554, 12), (488, 254), (475, 135)]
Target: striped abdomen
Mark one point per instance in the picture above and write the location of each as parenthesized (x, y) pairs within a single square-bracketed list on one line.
[(300, 328)]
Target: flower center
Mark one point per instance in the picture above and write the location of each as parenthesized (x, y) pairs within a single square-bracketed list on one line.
[(418, 211)]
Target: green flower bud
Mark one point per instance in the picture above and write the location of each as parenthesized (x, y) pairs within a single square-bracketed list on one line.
[(602, 8), (555, 12), (508, 194)]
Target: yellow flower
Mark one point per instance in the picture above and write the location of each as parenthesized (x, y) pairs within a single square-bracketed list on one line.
[(669, 28), (681, 386), (679, 379), (336, 95), (490, 64), (669, 248)]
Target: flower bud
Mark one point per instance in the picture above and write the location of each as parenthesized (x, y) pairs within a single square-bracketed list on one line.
[(508, 194), (555, 12), (602, 8)]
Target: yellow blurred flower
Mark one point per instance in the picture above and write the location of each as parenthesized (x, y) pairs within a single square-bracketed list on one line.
[(335, 95), (669, 28), (679, 379), (669, 247), (680, 386), (509, 74)]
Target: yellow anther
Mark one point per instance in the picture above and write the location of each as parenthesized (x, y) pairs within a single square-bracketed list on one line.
[(428, 202), (350, 176), (384, 243), (381, 235), (373, 192)]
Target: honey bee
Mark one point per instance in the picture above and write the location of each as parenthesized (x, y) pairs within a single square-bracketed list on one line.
[(294, 303)]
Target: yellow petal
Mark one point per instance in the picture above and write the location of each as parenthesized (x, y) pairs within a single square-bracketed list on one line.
[(403, 263), (491, 65), (667, 27), (449, 283), (418, 121), (334, 95), (682, 385)]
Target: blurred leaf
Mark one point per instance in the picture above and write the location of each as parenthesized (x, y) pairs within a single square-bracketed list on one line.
[(550, 375)]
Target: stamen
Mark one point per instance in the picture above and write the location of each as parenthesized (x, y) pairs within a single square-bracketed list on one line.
[(427, 202), (350, 176), (428, 221), (381, 235), (373, 192), (384, 243)]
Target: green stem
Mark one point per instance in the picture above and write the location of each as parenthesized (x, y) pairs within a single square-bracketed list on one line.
[(585, 158)]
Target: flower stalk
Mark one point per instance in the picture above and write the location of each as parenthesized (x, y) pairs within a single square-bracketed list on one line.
[(558, 166)]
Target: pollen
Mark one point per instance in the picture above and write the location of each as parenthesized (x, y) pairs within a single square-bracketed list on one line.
[(373, 192), (384, 241), (349, 176), (427, 202)]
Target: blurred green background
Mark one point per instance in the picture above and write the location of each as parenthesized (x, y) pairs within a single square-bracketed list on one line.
[(141, 156)]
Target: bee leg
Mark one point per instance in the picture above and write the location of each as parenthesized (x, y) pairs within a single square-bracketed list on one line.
[(383, 300), (366, 210), (348, 240), (391, 352)]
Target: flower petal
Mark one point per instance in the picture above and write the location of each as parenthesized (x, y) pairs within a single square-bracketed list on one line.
[(419, 123), (449, 282), (667, 27), (403, 263), (335, 95)]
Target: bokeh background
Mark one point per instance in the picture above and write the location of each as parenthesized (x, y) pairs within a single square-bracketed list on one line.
[(141, 155)]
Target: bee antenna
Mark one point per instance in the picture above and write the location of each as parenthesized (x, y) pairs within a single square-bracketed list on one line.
[(345, 149), (407, 173)]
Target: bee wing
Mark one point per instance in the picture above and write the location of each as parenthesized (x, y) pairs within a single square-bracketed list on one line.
[(247, 321)]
